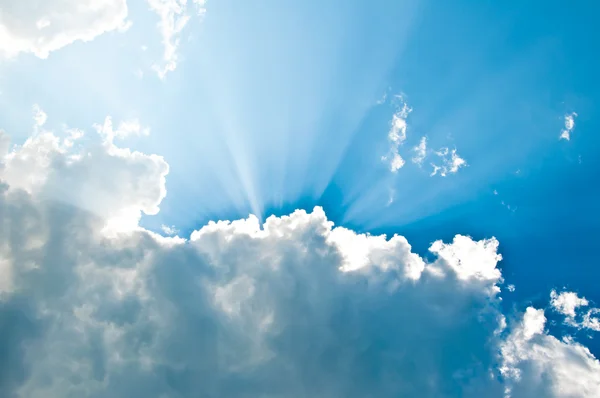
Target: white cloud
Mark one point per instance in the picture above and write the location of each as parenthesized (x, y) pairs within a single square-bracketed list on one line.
[(40, 27), (397, 136), (397, 133), (125, 129), (420, 151), (293, 307), (565, 133), (396, 163), (451, 162), (456, 162), (471, 260), (173, 17), (538, 364), (568, 304), (511, 288), (590, 321), (169, 230)]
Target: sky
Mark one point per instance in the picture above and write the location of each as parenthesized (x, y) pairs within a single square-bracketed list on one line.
[(292, 199)]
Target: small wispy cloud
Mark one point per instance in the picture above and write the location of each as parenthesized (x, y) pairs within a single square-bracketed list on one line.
[(565, 133), (127, 128), (169, 230), (451, 162), (571, 306), (174, 16), (391, 196), (39, 116), (420, 151), (382, 99), (397, 136)]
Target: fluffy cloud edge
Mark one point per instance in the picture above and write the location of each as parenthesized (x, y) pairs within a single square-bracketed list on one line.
[(249, 280), (42, 28)]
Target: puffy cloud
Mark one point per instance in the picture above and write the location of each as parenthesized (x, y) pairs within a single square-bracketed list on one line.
[(40, 27), (568, 303), (538, 364), (112, 182), (397, 136), (591, 320), (292, 307), (173, 17), (451, 162), (565, 133)]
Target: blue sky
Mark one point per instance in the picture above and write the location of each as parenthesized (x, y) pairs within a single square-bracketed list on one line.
[(275, 106)]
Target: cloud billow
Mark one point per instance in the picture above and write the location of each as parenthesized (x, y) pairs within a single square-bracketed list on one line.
[(40, 27), (93, 305)]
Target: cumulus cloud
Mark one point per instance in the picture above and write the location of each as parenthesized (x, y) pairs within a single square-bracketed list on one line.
[(568, 304), (40, 27), (591, 320), (537, 364), (451, 162), (112, 182), (173, 17), (397, 136), (565, 133), (293, 307)]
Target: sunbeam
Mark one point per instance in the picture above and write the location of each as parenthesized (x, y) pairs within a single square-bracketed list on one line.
[(268, 198), (285, 119)]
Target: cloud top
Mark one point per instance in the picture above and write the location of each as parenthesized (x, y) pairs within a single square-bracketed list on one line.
[(292, 307)]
